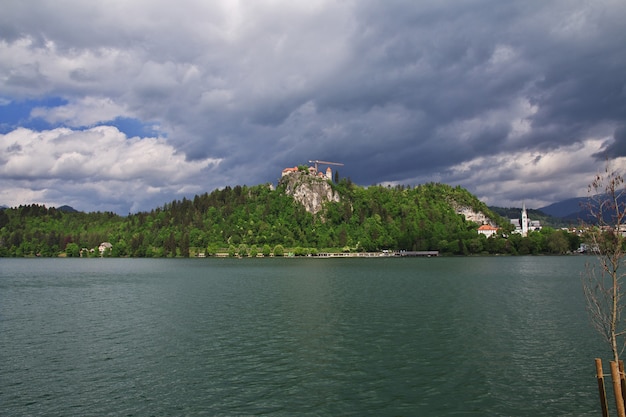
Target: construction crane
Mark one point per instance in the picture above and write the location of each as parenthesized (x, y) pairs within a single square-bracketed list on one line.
[(316, 162)]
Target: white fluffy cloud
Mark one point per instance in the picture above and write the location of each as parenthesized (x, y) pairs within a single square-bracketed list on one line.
[(568, 170), (101, 160), (86, 111)]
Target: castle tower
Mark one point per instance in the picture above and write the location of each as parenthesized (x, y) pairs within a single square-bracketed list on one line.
[(524, 221)]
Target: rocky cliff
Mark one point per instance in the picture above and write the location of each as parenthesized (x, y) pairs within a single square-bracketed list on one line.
[(473, 215), (310, 191)]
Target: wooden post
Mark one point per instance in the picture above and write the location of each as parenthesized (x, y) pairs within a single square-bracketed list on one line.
[(622, 378), (617, 389), (603, 402)]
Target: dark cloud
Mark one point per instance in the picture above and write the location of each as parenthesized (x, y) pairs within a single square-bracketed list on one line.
[(496, 96), (616, 147)]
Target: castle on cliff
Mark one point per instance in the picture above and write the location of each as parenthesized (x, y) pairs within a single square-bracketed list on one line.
[(312, 171)]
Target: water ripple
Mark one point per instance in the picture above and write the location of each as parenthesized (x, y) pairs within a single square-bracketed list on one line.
[(477, 336)]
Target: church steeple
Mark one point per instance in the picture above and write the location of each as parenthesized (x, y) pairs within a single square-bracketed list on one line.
[(524, 221)]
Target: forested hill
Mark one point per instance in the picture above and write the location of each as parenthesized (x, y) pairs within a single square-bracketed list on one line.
[(258, 219)]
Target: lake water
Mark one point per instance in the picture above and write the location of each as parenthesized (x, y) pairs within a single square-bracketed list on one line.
[(488, 336)]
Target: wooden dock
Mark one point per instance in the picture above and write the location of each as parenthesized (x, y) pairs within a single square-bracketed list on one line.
[(390, 254), (384, 254)]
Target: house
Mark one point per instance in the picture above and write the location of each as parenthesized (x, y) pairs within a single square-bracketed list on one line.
[(104, 246), (487, 230)]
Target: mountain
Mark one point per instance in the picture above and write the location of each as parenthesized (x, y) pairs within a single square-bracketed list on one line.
[(570, 208), (67, 209), (577, 209)]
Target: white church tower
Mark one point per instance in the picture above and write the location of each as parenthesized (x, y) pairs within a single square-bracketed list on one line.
[(524, 221)]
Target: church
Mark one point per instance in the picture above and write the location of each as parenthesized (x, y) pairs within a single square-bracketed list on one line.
[(524, 225)]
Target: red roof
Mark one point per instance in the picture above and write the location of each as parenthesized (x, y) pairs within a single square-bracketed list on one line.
[(487, 227)]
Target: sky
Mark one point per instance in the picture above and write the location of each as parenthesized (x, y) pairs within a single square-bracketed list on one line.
[(126, 105)]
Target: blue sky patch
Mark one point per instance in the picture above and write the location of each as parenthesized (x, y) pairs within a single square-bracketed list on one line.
[(15, 114), (133, 127)]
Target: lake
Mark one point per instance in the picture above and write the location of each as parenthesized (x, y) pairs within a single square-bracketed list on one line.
[(484, 336)]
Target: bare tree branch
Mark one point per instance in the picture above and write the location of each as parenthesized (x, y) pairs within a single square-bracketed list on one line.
[(602, 281)]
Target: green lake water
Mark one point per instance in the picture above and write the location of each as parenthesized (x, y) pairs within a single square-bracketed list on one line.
[(487, 336)]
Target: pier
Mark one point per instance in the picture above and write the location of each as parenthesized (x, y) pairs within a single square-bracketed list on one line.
[(383, 254), (389, 254)]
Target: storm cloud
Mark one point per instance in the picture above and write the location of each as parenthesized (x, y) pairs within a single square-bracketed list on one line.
[(126, 105)]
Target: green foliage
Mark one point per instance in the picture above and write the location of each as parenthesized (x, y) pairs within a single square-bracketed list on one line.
[(246, 220), (72, 250), (279, 250), (254, 251)]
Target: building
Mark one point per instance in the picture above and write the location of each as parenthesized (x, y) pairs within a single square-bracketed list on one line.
[(487, 230), (105, 246), (288, 171), (312, 171), (523, 225)]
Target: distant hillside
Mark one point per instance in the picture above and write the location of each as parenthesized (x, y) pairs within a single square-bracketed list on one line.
[(570, 208), (302, 212), (67, 209), (575, 209), (545, 218), (303, 215)]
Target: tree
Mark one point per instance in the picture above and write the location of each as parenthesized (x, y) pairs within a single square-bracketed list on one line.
[(557, 242), (602, 284), (72, 250), (602, 280), (279, 250), (254, 251), (169, 246), (119, 249), (184, 245)]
